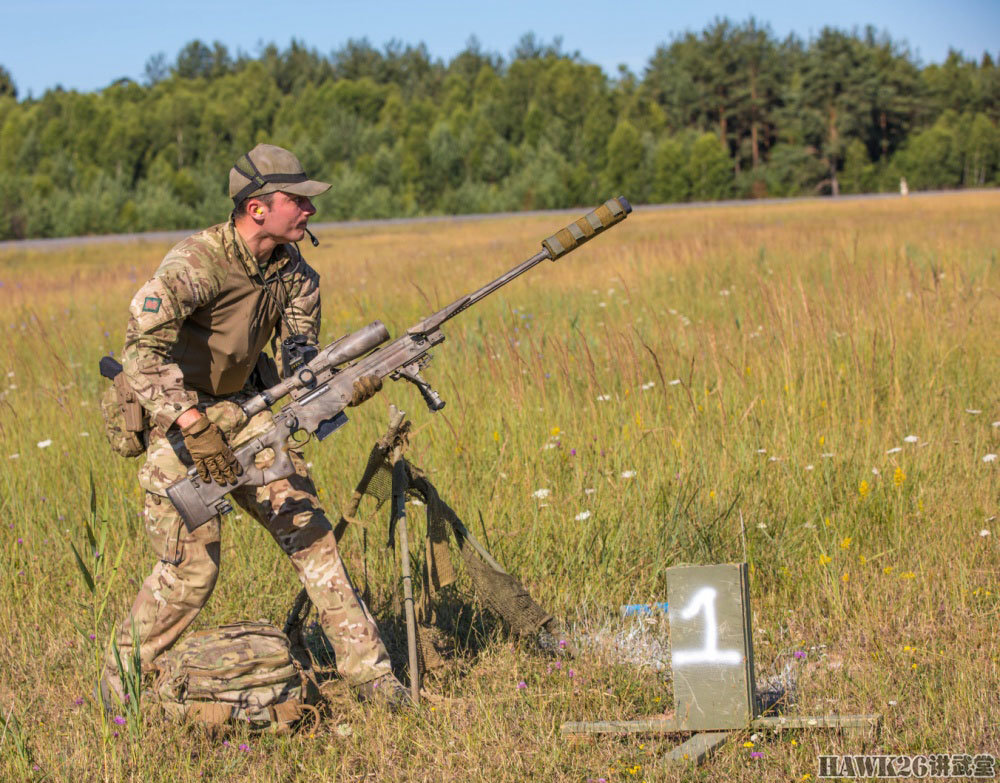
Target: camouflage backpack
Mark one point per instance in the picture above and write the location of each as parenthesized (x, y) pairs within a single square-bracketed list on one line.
[(238, 672)]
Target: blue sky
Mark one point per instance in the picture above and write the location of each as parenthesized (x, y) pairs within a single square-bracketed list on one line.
[(87, 44)]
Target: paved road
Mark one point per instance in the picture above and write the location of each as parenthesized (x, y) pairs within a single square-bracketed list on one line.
[(61, 243)]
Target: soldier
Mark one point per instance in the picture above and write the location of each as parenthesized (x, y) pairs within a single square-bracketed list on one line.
[(193, 350)]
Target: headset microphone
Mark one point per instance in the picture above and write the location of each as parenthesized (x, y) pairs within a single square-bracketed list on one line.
[(312, 238)]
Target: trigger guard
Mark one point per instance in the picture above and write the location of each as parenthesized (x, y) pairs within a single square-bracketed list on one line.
[(282, 467)]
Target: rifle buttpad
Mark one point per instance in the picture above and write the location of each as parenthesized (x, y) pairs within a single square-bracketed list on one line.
[(593, 223)]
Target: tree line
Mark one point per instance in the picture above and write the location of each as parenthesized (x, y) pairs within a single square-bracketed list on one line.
[(728, 112)]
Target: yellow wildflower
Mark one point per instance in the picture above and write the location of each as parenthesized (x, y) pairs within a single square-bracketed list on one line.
[(907, 575), (863, 488), (898, 477), (845, 543), (554, 431), (747, 744), (824, 559), (711, 494), (827, 522), (887, 570), (822, 440), (496, 436), (845, 577)]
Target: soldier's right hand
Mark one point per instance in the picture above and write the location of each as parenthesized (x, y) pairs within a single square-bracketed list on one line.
[(212, 456)]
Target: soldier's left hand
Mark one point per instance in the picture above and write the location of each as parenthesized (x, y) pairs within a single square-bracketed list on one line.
[(365, 388)]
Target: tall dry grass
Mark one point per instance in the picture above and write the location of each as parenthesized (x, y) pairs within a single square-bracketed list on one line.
[(689, 370)]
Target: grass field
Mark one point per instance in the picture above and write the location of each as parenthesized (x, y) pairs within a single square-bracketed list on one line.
[(825, 371)]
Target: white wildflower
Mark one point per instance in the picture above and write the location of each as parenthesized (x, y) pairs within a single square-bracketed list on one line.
[(874, 471), (762, 451), (84, 434), (543, 505), (44, 444), (772, 459), (809, 467), (603, 397), (552, 444), (910, 439), (983, 533), (895, 450), (989, 457), (996, 424), (648, 385), (627, 474), (582, 516), (309, 465), (14, 456), (542, 493), (762, 525), (12, 386), (602, 304), (827, 455), (973, 411), (589, 491), (674, 382), (416, 501), (724, 292)]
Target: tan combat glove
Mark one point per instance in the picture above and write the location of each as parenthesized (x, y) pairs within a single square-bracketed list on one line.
[(212, 456), (365, 388)]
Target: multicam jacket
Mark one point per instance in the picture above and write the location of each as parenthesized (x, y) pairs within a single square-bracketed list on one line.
[(200, 323)]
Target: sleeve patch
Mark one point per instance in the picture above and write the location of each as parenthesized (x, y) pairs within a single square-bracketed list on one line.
[(153, 306)]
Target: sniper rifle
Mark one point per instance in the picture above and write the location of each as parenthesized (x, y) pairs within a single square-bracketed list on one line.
[(320, 391)]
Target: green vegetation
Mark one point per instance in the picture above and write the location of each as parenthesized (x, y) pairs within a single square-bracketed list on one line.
[(809, 386), (730, 112)]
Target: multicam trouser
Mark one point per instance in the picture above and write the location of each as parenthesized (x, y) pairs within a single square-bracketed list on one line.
[(184, 576)]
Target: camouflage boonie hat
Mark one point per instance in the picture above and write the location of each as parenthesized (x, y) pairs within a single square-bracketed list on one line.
[(267, 169)]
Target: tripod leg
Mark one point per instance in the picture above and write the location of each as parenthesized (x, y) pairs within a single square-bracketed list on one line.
[(399, 485)]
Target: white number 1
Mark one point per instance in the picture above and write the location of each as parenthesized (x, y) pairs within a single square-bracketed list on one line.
[(710, 653)]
